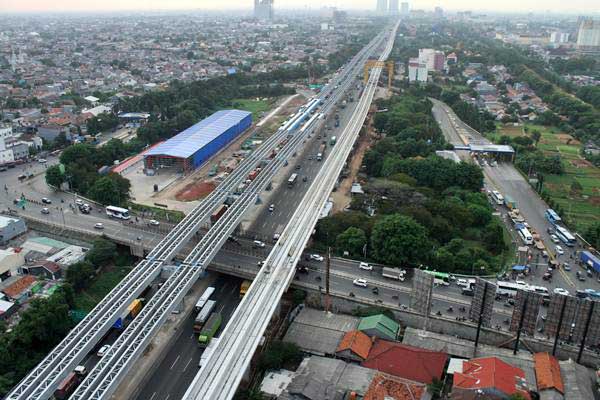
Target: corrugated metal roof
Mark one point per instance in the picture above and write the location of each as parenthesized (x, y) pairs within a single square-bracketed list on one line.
[(186, 143)]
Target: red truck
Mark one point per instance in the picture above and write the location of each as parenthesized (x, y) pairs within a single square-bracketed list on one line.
[(218, 213), (67, 386), (252, 175)]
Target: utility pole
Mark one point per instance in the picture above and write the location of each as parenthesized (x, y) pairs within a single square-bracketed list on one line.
[(560, 320), (327, 268), (480, 321), (523, 311), (585, 331)]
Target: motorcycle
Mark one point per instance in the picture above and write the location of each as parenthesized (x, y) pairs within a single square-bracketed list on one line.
[(450, 309)]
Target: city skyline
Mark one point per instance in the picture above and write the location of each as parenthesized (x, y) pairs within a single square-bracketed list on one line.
[(573, 7)]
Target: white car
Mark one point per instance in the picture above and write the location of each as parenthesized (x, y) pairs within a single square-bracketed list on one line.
[(45, 210), (271, 207), (99, 225), (258, 243), (554, 238), (559, 251), (562, 291), (79, 202), (42, 160), (153, 222), (365, 266), (103, 350), (316, 257), (360, 282)]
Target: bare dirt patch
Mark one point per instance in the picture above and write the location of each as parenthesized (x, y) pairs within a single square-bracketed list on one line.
[(195, 191), (581, 163), (567, 139)]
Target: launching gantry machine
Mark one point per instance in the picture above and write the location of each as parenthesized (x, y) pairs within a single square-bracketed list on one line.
[(370, 64)]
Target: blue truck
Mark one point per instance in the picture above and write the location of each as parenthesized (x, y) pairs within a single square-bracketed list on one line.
[(590, 260)]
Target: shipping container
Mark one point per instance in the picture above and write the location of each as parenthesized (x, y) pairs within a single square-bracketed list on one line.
[(590, 260), (210, 328), (218, 213)]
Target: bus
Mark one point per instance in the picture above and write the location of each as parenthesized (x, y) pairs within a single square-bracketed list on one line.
[(439, 278), (292, 180), (565, 236), (204, 298), (552, 216), (244, 288), (117, 212), (203, 315), (510, 288), (497, 197), (525, 235)]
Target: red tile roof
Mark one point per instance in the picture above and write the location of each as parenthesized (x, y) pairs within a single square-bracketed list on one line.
[(15, 289), (385, 387), (357, 342), (491, 372), (547, 372), (407, 362)]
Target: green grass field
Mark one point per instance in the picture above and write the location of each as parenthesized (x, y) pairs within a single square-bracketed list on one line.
[(104, 282), (256, 107), (582, 208)]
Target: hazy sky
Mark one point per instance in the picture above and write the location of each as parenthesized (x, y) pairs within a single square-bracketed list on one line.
[(572, 6)]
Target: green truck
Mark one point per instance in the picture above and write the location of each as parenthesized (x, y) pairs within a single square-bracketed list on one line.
[(209, 329)]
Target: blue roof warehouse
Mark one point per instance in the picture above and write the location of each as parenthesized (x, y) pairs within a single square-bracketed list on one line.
[(191, 148)]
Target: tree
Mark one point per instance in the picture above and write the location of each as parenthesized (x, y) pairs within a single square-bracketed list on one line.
[(576, 187), (54, 176), (110, 190), (352, 240), (102, 252), (400, 240), (481, 215), (79, 275), (536, 135), (493, 237), (278, 354), (592, 234)]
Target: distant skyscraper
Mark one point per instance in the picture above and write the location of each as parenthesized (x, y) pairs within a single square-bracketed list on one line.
[(394, 10), (438, 12), (404, 9), (382, 6), (417, 70), (263, 9), (588, 38)]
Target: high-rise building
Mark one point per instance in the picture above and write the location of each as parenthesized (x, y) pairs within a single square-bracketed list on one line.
[(588, 37), (404, 8), (438, 12), (417, 70), (394, 9), (382, 6), (263, 9), (559, 37)]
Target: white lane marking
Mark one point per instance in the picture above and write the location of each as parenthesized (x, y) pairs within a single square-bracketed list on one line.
[(187, 364), (175, 362), (153, 396)]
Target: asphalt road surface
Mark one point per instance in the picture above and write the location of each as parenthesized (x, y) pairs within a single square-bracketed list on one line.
[(177, 370)]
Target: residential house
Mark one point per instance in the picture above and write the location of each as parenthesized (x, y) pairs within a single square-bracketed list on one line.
[(11, 227), (548, 376), (384, 386), (21, 289), (379, 326), (489, 377), (45, 269), (408, 362), (355, 346)]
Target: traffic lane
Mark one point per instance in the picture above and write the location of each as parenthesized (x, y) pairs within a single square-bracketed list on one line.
[(177, 370)]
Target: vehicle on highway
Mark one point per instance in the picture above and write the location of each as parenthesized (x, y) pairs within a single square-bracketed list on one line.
[(365, 266), (85, 208), (497, 197), (99, 225), (210, 328), (566, 266), (467, 283), (271, 207), (510, 289), (565, 236), (246, 284), (45, 210), (67, 386), (204, 298), (79, 202), (545, 254), (524, 234), (203, 315), (117, 212), (42, 161), (153, 222), (554, 238), (22, 177), (360, 282), (581, 294), (103, 350), (467, 292), (580, 276), (314, 257), (393, 273), (559, 251), (258, 243), (552, 216), (80, 370), (298, 166), (46, 200), (439, 278), (292, 180)]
